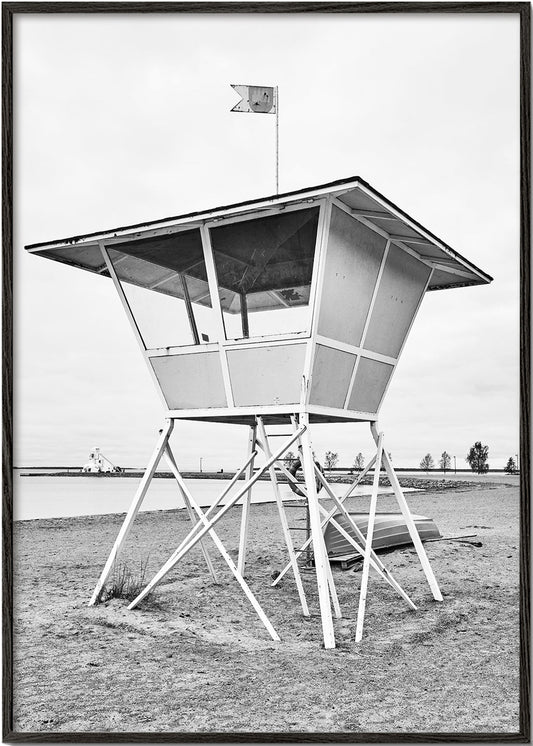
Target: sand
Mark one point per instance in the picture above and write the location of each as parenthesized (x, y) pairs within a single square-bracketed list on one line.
[(195, 658)]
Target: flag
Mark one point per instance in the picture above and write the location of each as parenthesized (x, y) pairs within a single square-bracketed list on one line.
[(255, 99)]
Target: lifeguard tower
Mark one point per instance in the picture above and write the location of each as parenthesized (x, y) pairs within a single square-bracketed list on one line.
[(292, 309)]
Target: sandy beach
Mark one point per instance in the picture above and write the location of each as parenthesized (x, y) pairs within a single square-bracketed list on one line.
[(195, 658)]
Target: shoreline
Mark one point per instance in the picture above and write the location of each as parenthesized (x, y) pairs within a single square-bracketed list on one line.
[(422, 483), (419, 489)]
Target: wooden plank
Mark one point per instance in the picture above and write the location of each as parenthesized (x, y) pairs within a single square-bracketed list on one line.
[(282, 516), (244, 316), (321, 558), (354, 349), (329, 518), (317, 282), (413, 533), (219, 545), (190, 312), (245, 516), (194, 537), (368, 543), (190, 511), (142, 489), (219, 499), (374, 559), (216, 308), (330, 515)]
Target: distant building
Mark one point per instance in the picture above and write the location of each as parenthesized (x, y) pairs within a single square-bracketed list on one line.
[(98, 463)]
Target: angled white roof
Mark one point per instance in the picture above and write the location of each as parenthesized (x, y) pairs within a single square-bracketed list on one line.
[(365, 204)]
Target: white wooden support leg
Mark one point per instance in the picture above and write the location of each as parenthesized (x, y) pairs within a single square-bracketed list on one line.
[(319, 547), (332, 589), (195, 536), (192, 516), (328, 517), (283, 517), (134, 507), (245, 515), (368, 544), (375, 562), (219, 545), (409, 520)]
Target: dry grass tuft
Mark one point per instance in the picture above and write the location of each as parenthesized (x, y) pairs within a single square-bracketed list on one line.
[(124, 583)]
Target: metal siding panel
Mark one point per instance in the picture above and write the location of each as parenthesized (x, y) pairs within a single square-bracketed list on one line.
[(370, 383), (402, 283), (191, 381), (332, 371), (266, 375), (353, 258)]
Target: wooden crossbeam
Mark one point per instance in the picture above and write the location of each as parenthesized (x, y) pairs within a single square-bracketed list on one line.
[(264, 445), (194, 536)]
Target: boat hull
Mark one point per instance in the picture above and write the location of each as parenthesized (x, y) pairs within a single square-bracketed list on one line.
[(390, 531)]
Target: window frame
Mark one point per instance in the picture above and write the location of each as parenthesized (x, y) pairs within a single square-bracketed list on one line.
[(226, 341), (204, 227)]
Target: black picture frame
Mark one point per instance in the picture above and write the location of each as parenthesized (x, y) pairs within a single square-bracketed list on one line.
[(12, 9)]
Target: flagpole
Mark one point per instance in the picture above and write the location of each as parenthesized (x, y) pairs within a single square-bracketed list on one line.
[(277, 140)]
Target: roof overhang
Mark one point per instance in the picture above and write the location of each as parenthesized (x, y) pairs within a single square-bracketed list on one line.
[(356, 196)]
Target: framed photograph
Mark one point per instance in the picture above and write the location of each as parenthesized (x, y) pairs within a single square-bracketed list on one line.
[(230, 513)]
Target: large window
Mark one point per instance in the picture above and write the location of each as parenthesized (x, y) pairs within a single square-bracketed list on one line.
[(264, 270), (165, 283)]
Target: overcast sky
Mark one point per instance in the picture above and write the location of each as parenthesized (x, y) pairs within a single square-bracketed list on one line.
[(125, 118)]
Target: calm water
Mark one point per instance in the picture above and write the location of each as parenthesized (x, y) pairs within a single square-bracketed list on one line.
[(57, 497)]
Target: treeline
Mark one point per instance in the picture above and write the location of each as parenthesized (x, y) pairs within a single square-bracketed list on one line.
[(477, 458)]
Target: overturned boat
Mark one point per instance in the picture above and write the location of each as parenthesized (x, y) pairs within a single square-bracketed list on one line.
[(390, 531)]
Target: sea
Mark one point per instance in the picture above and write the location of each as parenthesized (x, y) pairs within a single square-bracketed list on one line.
[(59, 497)]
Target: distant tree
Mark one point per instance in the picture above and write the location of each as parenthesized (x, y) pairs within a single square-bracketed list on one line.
[(477, 458), (427, 462), (445, 461), (331, 460), (510, 466), (290, 458), (359, 463)]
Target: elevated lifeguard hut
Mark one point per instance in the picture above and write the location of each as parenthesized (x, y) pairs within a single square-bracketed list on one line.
[(291, 309)]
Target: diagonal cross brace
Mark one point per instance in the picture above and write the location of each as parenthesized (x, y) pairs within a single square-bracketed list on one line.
[(375, 562), (135, 506), (368, 543), (217, 502), (409, 520), (332, 589), (264, 445), (329, 516), (219, 545), (195, 536)]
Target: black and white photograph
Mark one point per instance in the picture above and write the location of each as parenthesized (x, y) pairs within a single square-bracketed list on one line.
[(266, 371)]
